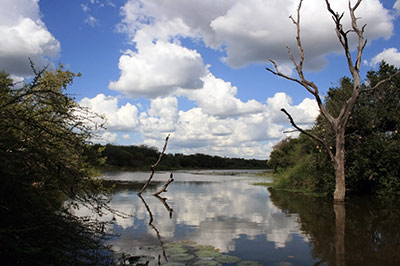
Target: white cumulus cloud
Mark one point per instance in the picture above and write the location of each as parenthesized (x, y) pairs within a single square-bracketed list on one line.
[(123, 118), (250, 135), (256, 30), (23, 35), (390, 56), (218, 97), (396, 7), (158, 69)]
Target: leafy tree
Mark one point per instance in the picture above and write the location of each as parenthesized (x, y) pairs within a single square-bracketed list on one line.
[(372, 141), (337, 120), (46, 168)]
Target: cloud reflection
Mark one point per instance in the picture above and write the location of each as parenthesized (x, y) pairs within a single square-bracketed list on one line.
[(210, 213)]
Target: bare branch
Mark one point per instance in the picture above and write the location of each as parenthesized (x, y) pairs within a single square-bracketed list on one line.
[(331, 155), (382, 81), (278, 73), (154, 227), (290, 131), (154, 166), (164, 187), (164, 202)]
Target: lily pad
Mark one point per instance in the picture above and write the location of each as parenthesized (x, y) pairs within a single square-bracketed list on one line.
[(175, 250), (207, 263), (249, 263), (172, 244), (181, 256), (204, 247), (208, 253), (227, 259), (173, 264)]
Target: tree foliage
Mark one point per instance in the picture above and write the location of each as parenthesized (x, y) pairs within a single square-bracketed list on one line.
[(45, 168), (141, 157), (372, 141)]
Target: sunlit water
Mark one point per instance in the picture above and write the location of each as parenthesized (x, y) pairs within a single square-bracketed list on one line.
[(241, 219)]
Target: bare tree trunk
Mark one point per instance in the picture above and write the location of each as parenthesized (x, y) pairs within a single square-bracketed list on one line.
[(339, 165)]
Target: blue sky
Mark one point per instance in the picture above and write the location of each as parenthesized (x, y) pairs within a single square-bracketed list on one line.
[(192, 69)]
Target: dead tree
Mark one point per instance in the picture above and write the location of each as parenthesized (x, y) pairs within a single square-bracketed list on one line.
[(339, 123)]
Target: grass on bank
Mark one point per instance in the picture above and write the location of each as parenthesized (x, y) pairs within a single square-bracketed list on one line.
[(279, 181)]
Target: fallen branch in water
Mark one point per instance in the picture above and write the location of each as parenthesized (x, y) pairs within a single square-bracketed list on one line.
[(164, 187), (154, 166)]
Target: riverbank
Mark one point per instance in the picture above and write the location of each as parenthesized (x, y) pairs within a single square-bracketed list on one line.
[(274, 181)]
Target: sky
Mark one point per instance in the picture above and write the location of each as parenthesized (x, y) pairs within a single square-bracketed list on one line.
[(192, 69)]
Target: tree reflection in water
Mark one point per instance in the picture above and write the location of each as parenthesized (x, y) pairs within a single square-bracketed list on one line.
[(169, 209), (364, 231)]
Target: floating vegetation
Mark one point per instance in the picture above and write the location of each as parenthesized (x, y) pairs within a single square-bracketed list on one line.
[(172, 244), (187, 252), (207, 263), (204, 247), (227, 259), (173, 264), (175, 250), (249, 263), (208, 253), (181, 256)]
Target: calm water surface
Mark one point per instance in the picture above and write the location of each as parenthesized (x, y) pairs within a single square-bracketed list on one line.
[(226, 210)]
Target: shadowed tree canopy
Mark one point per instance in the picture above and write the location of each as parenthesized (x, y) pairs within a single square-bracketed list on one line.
[(46, 168)]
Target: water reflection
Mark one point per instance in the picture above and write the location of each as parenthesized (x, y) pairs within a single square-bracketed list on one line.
[(227, 212), (361, 232), (240, 219)]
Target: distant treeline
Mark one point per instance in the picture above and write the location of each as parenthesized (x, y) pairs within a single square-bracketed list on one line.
[(142, 157)]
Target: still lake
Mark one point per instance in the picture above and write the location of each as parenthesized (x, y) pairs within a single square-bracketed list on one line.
[(239, 223)]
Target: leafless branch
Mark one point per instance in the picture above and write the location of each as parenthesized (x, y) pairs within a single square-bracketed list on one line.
[(164, 187), (310, 86), (152, 168), (290, 131), (385, 80), (154, 227), (331, 155), (164, 202)]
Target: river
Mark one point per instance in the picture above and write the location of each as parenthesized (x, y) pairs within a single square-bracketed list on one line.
[(222, 218)]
